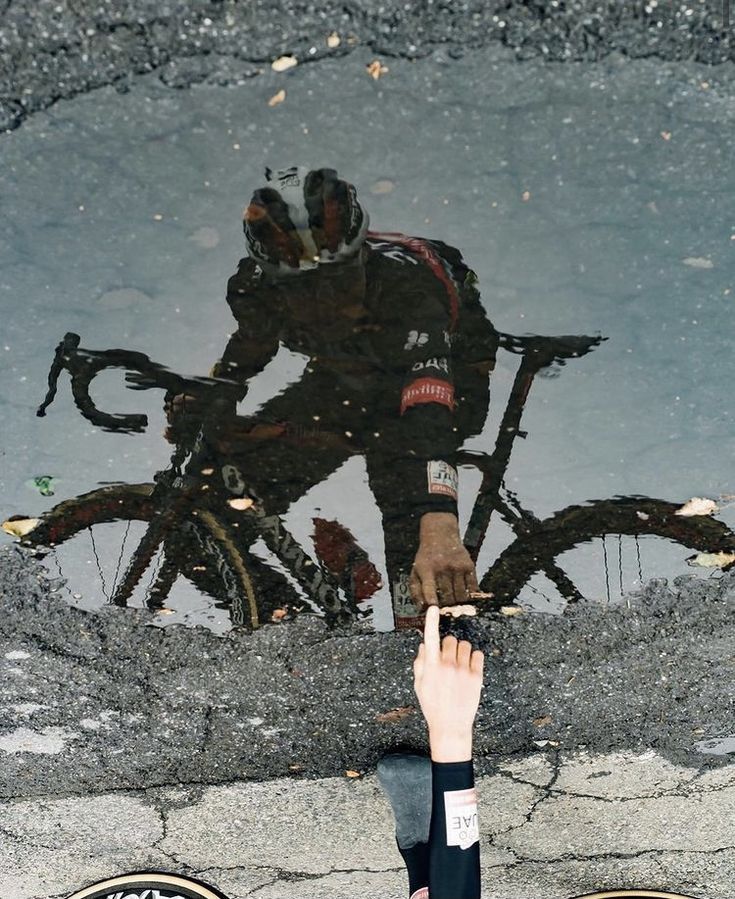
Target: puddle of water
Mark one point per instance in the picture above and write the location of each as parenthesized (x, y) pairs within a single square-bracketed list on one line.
[(578, 216), (721, 746)]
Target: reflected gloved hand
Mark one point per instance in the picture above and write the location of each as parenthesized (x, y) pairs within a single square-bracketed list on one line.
[(443, 572)]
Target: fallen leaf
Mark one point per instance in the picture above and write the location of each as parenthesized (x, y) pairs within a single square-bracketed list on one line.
[(458, 611), (698, 262), (697, 505), (333, 40), (712, 560), (542, 721), (278, 614), (283, 63), (511, 610), (277, 98), (241, 504), (666, 135), (295, 767), (526, 196), (350, 773), (376, 69), (384, 186), (653, 207), (19, 527), (395, 714)]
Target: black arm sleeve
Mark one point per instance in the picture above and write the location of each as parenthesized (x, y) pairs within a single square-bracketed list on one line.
[(429, 436), (257, 310), (454, 848)]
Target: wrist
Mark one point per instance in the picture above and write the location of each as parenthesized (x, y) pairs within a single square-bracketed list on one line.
[(438, 522), (452, 747)]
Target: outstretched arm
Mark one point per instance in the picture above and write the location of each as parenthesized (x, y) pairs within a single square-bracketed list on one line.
[(448, 682)]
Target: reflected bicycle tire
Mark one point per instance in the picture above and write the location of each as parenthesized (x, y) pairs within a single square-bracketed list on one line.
[(134, 502), (537, 548)]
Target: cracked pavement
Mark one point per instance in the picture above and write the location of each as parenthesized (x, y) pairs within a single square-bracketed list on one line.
[(554, 824), (126, 747)]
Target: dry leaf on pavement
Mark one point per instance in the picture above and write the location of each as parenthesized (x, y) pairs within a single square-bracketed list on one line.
[(350, 773), (542, 721), (333, 40), (511, 610), (277, 98)]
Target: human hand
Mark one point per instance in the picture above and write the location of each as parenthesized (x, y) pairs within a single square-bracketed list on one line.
[(448, 682), (443, 572)]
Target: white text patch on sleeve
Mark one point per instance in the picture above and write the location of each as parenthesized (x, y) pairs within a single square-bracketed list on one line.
[(442, 478), (460, 807)]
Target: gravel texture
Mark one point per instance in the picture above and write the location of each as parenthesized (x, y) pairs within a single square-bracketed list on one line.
[(52, 49)]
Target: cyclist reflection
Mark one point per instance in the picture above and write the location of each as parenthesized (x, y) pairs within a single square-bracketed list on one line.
[(399, 349)]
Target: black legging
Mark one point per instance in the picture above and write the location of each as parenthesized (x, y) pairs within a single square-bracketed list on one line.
[(443, 866)]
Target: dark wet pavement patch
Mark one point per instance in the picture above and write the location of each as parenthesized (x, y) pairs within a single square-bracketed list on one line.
[(106, 702)]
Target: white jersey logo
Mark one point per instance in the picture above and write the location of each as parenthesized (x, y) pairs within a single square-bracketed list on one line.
[(415, 339)]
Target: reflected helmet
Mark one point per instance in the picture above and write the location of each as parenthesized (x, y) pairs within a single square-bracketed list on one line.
[(303, 218)]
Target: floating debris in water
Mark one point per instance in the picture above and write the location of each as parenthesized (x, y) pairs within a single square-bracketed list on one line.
[(458, 611), (384, 186), (376, 69), (712, 560), (44, 483), (697, 505), (240, 504), (698, 262), (510, 611), (283, 63), (18, 526)]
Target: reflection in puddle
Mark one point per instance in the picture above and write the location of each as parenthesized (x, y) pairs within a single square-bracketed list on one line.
[(399, 359)]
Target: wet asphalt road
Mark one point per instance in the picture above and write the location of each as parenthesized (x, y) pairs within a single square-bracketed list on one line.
[(98, 702), (51, 50)]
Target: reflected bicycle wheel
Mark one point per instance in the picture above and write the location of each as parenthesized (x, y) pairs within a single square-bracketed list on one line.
[(539, 545), (206, 552)]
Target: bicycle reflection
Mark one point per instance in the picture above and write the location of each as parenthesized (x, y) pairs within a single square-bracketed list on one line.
[(201, 516)]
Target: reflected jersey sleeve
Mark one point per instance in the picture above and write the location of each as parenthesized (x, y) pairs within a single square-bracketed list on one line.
[(255, 342), (426, 406)]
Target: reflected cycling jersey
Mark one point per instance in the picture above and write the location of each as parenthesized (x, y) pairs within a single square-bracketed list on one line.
[(402, 369)]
